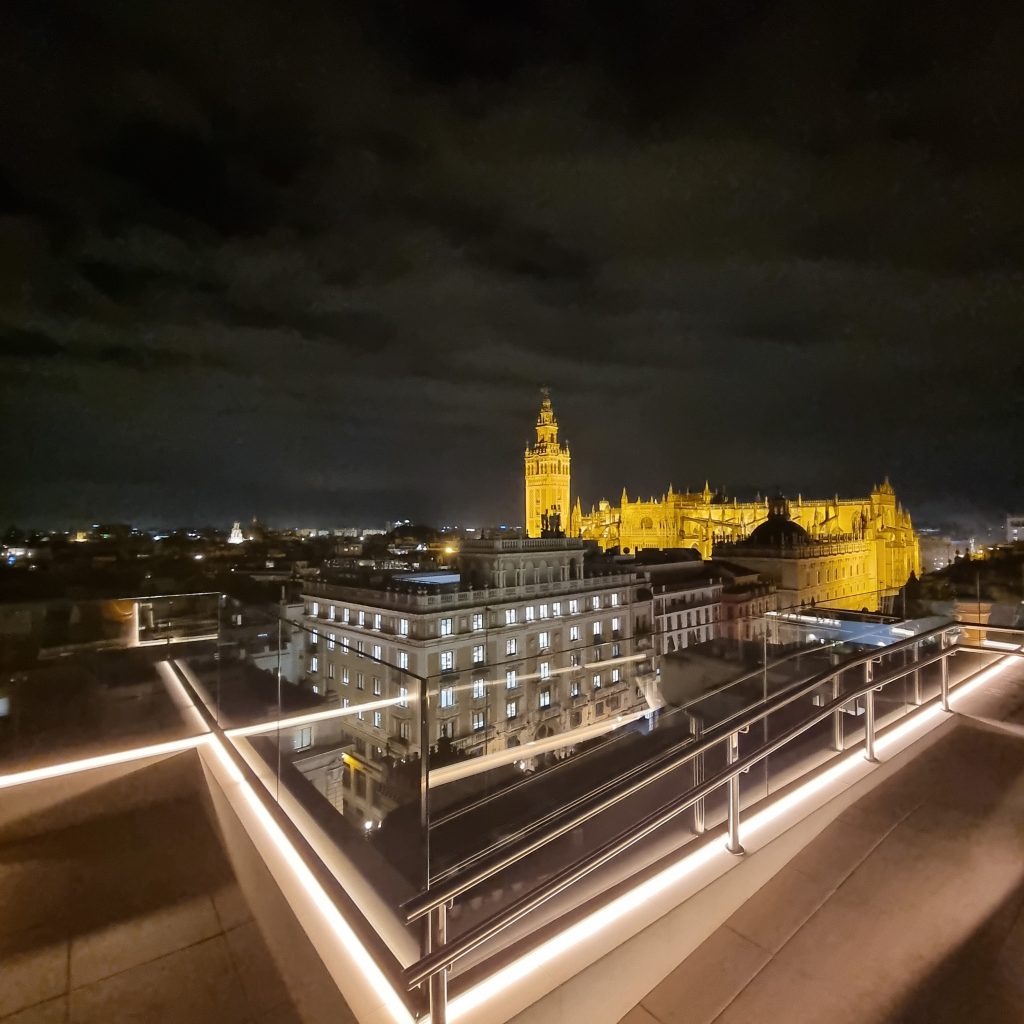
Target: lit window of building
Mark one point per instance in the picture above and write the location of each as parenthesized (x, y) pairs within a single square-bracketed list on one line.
[(529, 613), (543, 611), (544, 699), (556, 608), (314, 638), (346, 616), (331, 613), (376, 686), (545, 670), (331, 640), (447, 661), (376, 620), (314, 664), (574, 688), (478, 654), (510, 679), (511, 709), (445, 627), (403, 627), (510, 616), (510, 646), (314, 609), (403, 697), (361, 618), (479, 689), (477, 620), (403, 660), (378, 719), (574, 607), (376, 652), (595, 602), (596, 681), (478, 721), (544, 641), (447, 696), (574, 633)]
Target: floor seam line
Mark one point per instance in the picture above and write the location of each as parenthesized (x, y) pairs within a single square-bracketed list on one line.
[(144, 963)]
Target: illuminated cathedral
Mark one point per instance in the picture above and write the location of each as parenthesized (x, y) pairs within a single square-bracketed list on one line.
[(849, 552)]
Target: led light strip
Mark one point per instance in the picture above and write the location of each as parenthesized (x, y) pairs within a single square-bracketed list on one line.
[(55, 771), (313, 716), (342, 931), (541, 956)]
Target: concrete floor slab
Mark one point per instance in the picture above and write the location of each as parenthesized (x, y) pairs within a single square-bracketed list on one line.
[(33, 968), (191, 986), (53, 1011), (777, 910), (123, 944), (706, 981)]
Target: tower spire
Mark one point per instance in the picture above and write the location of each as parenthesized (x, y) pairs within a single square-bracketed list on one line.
[(546, 472)]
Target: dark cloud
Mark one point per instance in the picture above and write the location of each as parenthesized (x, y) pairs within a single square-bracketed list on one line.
[(316, 259)]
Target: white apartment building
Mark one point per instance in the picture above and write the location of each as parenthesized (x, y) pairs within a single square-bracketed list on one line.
[(520, 642)]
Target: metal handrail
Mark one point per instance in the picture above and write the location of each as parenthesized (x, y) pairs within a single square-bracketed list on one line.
[(441, 958), (632, 772), (435, 897)]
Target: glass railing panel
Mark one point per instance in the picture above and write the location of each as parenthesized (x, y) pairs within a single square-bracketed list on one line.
[(88, 678)]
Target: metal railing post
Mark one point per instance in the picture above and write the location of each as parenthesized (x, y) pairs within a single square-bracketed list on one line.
[(915, 655), (944, 666), (439, 980), (733, 843), (837, 717), (698, 776), (869, 716)]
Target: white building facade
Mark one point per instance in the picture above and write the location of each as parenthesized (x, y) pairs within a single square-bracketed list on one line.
[(521, 643)]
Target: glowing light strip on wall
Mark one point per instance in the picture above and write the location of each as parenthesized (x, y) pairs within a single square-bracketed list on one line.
[(313, 716), (180, 697), (55, 771), (332, 916), (541, 956)]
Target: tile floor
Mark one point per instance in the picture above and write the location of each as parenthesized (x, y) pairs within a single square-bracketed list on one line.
[(908, 908), (133, 917)]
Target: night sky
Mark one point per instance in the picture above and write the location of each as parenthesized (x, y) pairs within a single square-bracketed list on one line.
[(314, 260)]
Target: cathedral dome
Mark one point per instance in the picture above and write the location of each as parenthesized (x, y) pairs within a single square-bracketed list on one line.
[(778, 530)]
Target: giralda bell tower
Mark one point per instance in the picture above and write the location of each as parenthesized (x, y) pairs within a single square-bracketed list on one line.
[(547, 475)]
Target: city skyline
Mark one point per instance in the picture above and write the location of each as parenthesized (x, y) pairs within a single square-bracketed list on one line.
[(303, 264)]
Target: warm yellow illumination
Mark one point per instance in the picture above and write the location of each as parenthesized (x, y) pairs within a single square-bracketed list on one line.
[(600, 920), (180, 697), (540, 958), (262, 728), (343, 932), (485, 762), (86, 764)]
